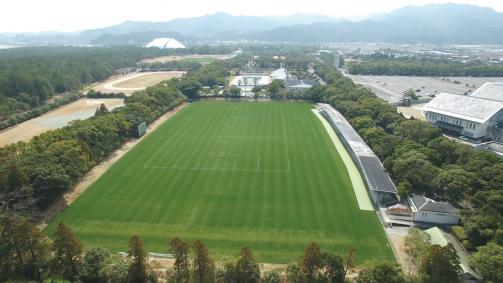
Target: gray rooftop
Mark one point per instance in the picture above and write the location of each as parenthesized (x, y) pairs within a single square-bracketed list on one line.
[(491, 91), (374, 172), (425, 204), (464, 107)]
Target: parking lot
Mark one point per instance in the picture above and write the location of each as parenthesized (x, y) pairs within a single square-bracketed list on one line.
[(391, 88)]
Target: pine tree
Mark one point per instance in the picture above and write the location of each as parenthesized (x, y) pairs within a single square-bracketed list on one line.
[(67, 250), (203, 264), (180, 249), (138, 269), (247, 269)]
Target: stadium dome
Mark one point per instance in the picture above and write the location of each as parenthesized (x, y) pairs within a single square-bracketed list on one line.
[(165, 43)]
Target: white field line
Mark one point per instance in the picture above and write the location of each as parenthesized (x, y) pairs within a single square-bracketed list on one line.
[(286, 144), (356, 179)]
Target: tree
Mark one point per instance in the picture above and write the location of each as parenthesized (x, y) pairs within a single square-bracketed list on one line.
[(137, 272), (381, 272), (271, 277), (203, 265), (118, 268), (227, 274), (311, 261), (440, 264), (333, 267), (101, 110), (488, 260), (349, 261), (189, 87), (276, 89), (417, 170), (416, 244), (67, 250), (247, 269), (94, 265), (455, 182), (180, 250), (294, 274), (24, 250), (362, 122)]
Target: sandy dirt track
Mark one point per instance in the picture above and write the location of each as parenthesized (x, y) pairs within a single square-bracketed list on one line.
[(58, 118), (135, 81), (93, 175)]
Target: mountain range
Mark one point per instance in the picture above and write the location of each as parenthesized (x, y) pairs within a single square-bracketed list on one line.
[(434, 23)]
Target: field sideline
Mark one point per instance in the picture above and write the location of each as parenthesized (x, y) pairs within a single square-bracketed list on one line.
[(233, 174)]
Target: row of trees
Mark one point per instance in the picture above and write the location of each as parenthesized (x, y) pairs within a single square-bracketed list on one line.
[(28, 255), (423, 67), (28, 113), (35, 173), (420, 160), (30, 76)]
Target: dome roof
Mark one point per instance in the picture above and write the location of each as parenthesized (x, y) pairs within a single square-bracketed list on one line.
[(165, 43)]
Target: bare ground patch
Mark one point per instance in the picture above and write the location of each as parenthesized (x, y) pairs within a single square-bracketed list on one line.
[(70, 196), (132, 82), (54, 119)]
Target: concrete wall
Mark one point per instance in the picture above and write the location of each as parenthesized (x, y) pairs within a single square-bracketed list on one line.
[(436, 217), (470, 129)]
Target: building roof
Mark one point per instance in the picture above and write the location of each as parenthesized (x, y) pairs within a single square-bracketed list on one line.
[(469, 108), (373, 170), (279, 74), (423, 203), (439, 237), (491, 91), (165, 43)]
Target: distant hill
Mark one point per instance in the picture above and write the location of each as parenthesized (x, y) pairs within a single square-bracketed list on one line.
[(208, 26), (435, 23), (135, 38)]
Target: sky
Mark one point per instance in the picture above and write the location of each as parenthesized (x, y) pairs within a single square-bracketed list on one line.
[(72, 15)]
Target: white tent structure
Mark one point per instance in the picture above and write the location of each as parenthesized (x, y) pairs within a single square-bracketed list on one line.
[(166, 43)]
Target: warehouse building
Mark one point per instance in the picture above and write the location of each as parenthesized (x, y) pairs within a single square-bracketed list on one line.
[(477, 116)]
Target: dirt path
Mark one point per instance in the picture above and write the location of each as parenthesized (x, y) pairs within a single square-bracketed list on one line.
[(70, 196)]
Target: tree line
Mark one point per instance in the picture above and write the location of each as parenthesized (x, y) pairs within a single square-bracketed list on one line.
[(28, 255), (386, 66), (33, 174), (420, 160), (29, 77)]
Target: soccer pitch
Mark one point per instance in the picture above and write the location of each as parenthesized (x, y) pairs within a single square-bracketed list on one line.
[(233, 174)]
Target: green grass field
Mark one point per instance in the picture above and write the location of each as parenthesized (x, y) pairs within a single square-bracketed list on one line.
[(233, 174), (203, 60)]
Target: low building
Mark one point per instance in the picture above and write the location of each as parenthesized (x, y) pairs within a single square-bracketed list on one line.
[(477, 116), (429, 211), (441, 238), (279, 74)]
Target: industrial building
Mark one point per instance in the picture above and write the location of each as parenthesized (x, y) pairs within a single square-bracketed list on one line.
[(476, 116)]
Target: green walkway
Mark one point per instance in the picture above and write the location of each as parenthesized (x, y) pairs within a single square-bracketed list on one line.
[(356, 179)]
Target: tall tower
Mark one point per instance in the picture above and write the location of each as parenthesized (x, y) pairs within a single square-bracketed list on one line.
[(336, 60)]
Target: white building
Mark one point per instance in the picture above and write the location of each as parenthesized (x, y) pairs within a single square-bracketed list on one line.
[(475, 116), (430, 211), (279, 74), (166, 43)]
